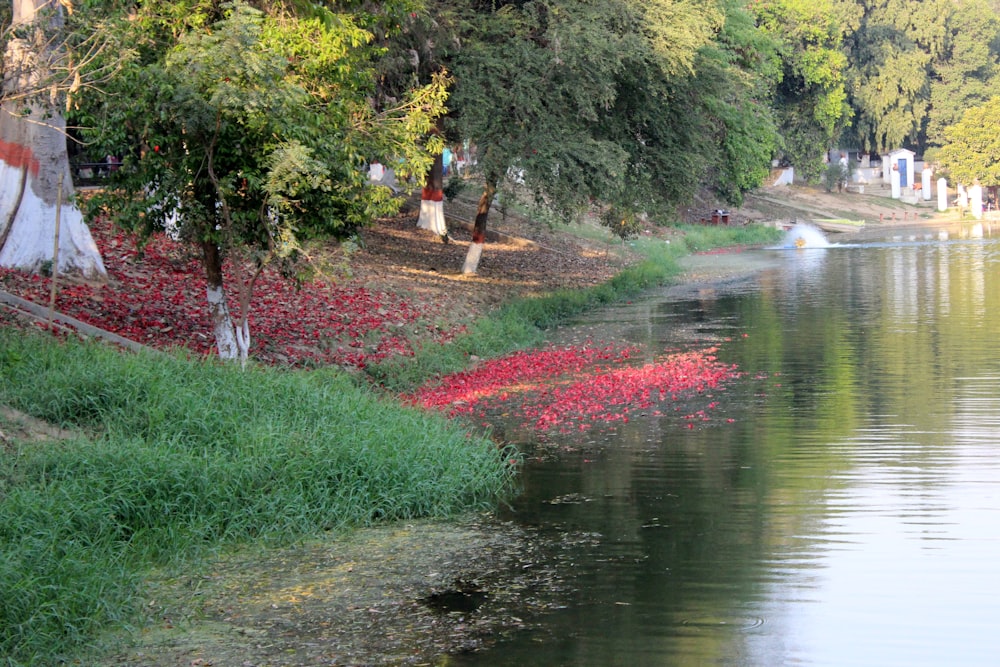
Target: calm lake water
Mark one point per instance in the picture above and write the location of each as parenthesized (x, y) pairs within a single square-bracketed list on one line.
[(842, 505)]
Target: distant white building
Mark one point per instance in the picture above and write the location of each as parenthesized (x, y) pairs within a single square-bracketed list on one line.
[(901, 160)]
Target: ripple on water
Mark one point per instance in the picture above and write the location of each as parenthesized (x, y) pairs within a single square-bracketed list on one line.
[(727, 623)]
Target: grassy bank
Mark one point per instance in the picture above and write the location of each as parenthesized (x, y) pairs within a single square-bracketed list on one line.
[(177, 458), (522, 323), (183, 457)]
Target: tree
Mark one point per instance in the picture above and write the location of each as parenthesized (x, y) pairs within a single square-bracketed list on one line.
[(572, 104), (36, 187), (917, 66), (966, 66), (810, 99), (700, 125), (245, 131), (890, 83), (415, 54), (972, 148), (529, 81)]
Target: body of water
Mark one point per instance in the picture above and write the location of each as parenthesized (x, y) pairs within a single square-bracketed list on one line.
[(839, 505)]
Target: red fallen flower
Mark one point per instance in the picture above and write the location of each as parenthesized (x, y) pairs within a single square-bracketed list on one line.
[(607, 393), (319, 323), (514, 373)]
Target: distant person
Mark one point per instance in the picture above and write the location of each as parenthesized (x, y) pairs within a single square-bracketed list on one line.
[(446, 156)]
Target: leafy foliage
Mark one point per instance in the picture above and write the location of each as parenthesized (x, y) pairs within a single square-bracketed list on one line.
[(837, 176), (243, 131), (810, 99), (965, 72), (255, 129), (973, 146), (634, 105), (737, 74), (554, 67), (916, 66), (890, 87), (625, 225)]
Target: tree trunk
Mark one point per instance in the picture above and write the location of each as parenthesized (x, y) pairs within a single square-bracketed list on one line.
[(432, 201), (32, 158), (230, 342), (479, 229)]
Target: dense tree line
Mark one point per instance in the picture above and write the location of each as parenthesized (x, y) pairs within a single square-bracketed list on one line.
[(641, 104), (667, 98), (244, 126)]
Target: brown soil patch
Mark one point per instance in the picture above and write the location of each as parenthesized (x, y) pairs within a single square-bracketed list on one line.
[(791, 203), (520, 259), (17, 427)]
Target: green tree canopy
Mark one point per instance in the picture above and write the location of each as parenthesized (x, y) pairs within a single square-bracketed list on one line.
[(243, 130), (634, 104), (916, 65), (531, 86), (972, 148), (966, 68), (810, 99), (736, 75)]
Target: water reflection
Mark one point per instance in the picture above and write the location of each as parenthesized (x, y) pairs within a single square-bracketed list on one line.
[(847, 515)]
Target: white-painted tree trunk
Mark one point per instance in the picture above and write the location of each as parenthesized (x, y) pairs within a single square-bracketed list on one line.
[(232, 342), (232, 339), (432, 201), (475, 251), (32, 158), (432, 217), (472, 257)]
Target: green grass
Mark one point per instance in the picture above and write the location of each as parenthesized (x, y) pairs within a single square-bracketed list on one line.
[(185, 457), (522, 323)]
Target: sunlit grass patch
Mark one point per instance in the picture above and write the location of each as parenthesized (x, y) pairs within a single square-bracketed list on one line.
[(186, 456)]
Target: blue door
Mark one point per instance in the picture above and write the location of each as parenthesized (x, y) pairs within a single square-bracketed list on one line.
[(903, 179)]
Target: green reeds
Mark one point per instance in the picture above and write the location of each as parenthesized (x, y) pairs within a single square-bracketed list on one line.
[(181, 457)]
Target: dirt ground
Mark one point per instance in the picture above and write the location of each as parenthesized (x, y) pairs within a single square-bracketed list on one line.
[(875, 208), (520, 259), (523, 258), (413, 593)]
